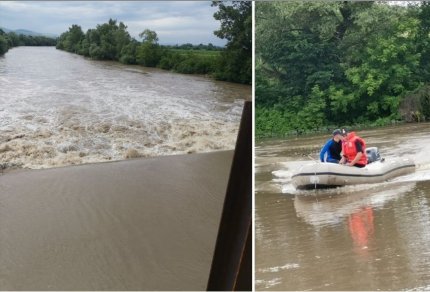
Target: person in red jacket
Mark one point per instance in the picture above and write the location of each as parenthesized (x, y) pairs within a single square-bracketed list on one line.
[(353, 149)]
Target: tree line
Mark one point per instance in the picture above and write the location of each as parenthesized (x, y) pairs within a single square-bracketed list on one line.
[(111, 41), (11, 39), (199, 47), (340, 63)]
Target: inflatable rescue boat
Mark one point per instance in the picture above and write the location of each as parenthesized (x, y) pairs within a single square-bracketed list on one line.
[(325, 175)]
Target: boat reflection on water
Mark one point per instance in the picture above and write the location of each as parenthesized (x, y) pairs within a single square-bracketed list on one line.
[(361, 228), (329, 207), (356, 205)]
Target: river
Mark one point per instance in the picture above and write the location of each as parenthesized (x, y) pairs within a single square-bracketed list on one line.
[(60, 109), (139, 224), (364, 237)]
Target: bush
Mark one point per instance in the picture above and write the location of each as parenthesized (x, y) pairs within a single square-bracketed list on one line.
[(128, 54), (425, 102), (415, 106), (4, 47)]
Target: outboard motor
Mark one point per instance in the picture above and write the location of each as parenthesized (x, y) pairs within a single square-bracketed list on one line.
[(372, 154)]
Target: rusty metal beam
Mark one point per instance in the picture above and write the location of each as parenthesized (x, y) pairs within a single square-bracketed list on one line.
[(232, 261)]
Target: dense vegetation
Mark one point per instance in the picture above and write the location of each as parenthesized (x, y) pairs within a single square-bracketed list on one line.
[(11, 39), (327, 64), (111, 41), (236, 27)]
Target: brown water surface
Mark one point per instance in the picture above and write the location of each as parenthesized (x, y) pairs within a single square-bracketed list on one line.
[(364, 237), (144, 224)]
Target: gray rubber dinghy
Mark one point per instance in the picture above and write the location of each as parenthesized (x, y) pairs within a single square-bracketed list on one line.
[(325, 175)]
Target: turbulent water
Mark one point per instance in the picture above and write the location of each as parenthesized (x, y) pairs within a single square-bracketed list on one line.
[(363, 237), (60, 109)]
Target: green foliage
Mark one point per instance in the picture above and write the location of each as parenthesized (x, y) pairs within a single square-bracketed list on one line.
[(200, 47), (425, 103), (128, 53), (189, 62), (70, 41), (111, 41), (149, 36), (4, 46), (236, 27), (11, 39), (270, 121), (312, 116), (105, 42), (415, 106), (148, 54), (234, 66), (423, 43), (340, 62), (196, 63), (170, 59)]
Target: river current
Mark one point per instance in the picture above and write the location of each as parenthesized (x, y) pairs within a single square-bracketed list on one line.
[(59, 109), (363, 237)]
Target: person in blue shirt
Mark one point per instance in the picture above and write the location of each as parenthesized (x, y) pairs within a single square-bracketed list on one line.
[(332, 149)]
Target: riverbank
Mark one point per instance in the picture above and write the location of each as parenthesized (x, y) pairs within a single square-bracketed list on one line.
[(232, 63), (141, 224), (329, 129)]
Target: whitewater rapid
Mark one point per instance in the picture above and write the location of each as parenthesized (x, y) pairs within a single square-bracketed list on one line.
[(60, 109)]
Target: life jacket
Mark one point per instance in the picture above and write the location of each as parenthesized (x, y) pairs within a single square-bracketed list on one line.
[(349, 150)]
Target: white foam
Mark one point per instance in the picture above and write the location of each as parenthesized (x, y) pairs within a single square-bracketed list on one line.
[(287, 266), (289, 189), (269, 283), (282, 173), (102, 111)]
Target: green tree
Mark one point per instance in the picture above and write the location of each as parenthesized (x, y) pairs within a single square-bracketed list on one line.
[(149, 53), (4, 44), (339, 62), (73, 39), (423, 38), (149, 36), (382, 70), (13, 39), (128, 53), (111, 41), (4, 47), (236, 27)]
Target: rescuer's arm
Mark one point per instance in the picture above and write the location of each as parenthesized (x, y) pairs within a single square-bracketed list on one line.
[(356, 159)]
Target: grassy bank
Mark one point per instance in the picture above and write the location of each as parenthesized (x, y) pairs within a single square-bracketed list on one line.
[(190, 61), (275, 125)]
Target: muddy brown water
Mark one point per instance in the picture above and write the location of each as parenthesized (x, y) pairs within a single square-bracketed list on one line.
[(58, 108), (364, 237), (140, 224), (143, 224)]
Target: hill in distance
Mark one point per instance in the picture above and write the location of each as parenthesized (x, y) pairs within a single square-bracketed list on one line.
[(28, 32)]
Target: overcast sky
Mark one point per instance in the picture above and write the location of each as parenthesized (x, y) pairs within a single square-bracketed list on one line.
[(176, 22)]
